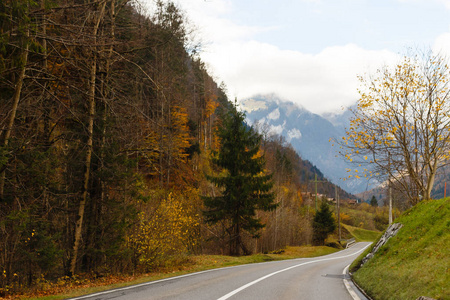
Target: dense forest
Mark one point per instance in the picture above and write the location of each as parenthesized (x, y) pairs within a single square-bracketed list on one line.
[(108, 118)]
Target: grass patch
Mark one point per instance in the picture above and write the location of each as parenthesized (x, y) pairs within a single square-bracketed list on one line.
[(304, 251), (195, 263), (362, 235), (357, 262), (416, 261)]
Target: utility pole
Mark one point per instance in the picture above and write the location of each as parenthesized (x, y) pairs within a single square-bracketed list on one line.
[(338, 211), (390, 189), (316, 181)]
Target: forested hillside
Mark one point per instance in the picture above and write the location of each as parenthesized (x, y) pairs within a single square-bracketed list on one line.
[(108, 118)]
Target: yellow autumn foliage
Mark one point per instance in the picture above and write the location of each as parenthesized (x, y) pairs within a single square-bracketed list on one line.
[(170, 230), (402, 122)]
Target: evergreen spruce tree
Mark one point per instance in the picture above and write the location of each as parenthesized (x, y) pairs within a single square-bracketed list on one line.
[(244, 186), (323, 224), (373, 201)]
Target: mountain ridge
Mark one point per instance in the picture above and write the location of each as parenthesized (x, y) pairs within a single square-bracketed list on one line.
[(307, 132)]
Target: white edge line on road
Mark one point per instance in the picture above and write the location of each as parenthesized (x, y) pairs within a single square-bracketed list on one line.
[(232, 293), (141, 284), (201, 272), (161, 280), (349, 288)]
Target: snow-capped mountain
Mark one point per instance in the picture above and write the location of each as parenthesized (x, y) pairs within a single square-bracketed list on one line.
[(308, 133)]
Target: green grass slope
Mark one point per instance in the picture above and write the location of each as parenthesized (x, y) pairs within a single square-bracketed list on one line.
[(362, 235), (415, 262)]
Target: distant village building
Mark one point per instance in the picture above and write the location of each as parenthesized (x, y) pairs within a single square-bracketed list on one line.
[(310, 198), (349, 201)]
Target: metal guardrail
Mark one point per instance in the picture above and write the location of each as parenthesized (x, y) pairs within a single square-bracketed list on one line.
[(349, 242)]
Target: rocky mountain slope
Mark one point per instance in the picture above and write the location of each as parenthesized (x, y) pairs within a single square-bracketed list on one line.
[(308, 133)]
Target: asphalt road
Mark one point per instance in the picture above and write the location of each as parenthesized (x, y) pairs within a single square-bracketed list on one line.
[(306, 278)]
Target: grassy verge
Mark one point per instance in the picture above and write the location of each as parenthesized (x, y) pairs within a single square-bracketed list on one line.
[(416, 261), (362, 235), (191, 264)]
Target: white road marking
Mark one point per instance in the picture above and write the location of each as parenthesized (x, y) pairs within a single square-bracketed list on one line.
[(232, 293), (142, 284), (196, 273), (349, 288), (161, 280)]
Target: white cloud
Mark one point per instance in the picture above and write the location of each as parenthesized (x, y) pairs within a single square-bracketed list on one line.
[(321, 83), (442, 44), (446, 3), (209, 19)]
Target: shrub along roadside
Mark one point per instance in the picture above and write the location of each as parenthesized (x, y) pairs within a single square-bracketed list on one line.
[(414, 262)]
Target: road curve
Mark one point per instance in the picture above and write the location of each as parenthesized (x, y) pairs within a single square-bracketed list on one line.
[(304, 278)]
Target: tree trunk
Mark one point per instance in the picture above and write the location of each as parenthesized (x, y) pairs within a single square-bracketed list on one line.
[(12, 116), (88, 158), (430, 180)]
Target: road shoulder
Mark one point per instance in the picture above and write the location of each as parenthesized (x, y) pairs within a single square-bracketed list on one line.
[(352, 289)]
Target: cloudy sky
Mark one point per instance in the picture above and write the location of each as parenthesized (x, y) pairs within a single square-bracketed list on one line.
[(311, 51)]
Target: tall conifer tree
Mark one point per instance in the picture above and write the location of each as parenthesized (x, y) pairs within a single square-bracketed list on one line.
[(373, 201), (244, 185), (323, 224)]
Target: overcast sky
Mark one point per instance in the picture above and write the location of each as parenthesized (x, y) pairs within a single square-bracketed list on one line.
[(311, 51)]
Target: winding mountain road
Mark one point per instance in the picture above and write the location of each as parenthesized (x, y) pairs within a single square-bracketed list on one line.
[(305, 278)]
